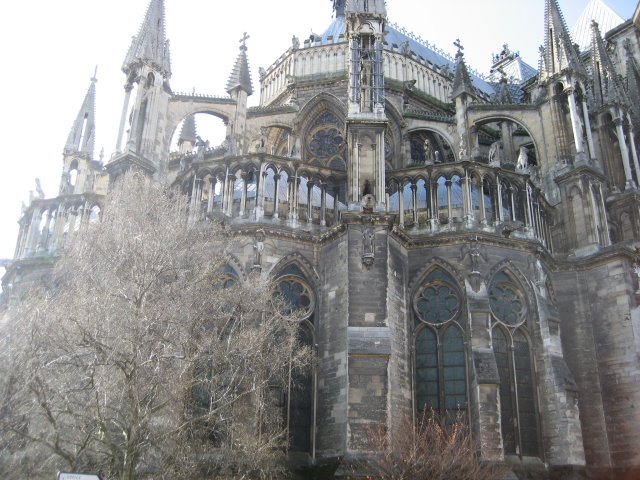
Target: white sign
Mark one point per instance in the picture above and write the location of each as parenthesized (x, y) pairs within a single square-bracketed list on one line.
[(76, 476)]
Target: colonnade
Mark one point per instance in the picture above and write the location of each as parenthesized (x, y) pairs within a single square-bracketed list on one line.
[(47, 224)]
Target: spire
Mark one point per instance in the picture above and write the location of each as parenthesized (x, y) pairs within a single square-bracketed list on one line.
[(633, 80), (188, 132), (150, 45), (338, 6), (462, 80), (82, 136), (363, 6), (559, 51), (240, 76), (607, 85)]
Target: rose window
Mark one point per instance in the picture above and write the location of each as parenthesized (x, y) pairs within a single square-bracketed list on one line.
[(507, 304), (296, 295), (438, 302), (326, 142)]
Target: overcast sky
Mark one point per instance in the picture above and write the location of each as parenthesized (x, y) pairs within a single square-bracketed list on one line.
[(50, 49)]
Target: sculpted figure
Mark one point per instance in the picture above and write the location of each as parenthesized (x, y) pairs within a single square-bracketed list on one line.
[(494, 152), (523, 159), (428, 151)]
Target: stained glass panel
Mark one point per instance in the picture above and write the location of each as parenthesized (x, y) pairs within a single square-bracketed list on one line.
[(501, 351), (427, 371)]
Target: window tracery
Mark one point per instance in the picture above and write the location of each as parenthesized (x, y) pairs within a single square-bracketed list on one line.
[(512, 350), (440, 356)]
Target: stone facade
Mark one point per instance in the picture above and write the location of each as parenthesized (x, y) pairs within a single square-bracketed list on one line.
[(462, 245)]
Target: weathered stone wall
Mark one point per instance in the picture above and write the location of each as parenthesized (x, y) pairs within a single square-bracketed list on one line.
[(598, 310)]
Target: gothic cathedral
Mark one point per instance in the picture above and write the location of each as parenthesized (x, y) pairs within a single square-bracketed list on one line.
[(457, 243)]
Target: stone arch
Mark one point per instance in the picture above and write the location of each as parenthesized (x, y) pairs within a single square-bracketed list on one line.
[(301, 262), (431, 264), (440, 142), (481, 151), (519, 278)]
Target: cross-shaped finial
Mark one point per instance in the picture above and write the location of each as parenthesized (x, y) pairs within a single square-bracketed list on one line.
[(243, 40), (458, 45)]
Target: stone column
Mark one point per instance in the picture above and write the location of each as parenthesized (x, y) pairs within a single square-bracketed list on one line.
[(323, 204), (587, 125), (624, 151), (575, 122), (414, 195), (500, 216), (212, 190), (123, 117), (634, 151), (276, 179), (401, 206)]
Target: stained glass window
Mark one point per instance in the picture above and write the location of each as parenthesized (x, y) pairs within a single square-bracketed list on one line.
[(297, 295), (440, 359), (298, 407), (506, 301), (301, 401), (438, 300), (517, 393)]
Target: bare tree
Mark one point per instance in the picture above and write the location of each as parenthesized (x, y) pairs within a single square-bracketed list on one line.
[(145, 353), (428, 449)]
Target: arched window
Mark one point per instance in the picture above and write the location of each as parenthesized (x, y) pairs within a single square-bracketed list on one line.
[(440, 358), (511, 348), (293, 287)]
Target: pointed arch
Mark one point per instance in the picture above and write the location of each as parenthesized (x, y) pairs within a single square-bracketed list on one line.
[(301, 262)]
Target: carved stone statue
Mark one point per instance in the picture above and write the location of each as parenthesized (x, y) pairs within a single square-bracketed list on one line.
[(428, 152), (39, 190), (368, 246), (463, 148), (494, 152), (200, 144), (258, 248), (295, 42), (523, 159)]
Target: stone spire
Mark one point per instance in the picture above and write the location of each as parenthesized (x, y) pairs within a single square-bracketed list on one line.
[(240, 76), (462, 80), (559, 51), (150, 46), (607, 85), (364, 6), (82, 136), (188, 132)]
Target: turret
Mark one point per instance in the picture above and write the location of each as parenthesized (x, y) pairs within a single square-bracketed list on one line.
[(79, 170), (462, 94), (366, 119), (147, 67), (614, 105), (565, 77)]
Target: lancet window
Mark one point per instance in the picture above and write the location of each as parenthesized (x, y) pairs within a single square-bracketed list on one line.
[(512, 350), (440, 356), (292, 286)]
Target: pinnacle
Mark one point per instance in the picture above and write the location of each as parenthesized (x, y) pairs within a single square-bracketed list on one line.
[(240, 75)]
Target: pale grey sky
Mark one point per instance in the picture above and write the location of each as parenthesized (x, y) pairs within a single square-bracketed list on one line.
[(50, 49)]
